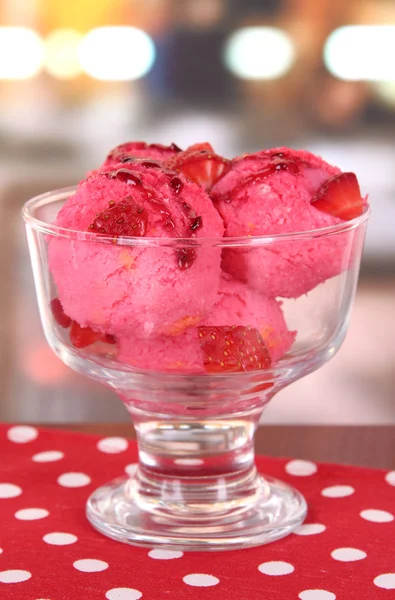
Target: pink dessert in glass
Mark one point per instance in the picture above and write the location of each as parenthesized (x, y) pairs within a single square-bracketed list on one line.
[(156, 305)]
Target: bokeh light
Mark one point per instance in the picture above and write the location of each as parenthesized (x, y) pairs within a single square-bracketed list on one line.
[(21, 52), (361, 53), (61, 53), (385, 90), (117, 53), (259, 53)]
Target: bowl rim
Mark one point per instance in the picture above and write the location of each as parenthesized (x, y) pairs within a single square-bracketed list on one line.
[(49, 197)]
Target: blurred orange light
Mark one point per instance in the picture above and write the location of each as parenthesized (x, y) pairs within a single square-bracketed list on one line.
[(61, 53)]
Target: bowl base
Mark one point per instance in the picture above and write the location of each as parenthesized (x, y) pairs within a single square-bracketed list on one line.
[(277, 510)]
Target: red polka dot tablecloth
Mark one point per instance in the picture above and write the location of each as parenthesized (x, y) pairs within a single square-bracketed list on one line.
[(48, 551)]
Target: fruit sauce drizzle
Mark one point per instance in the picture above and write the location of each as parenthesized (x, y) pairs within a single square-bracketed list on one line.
[(185, 256), (123, 149), (280, 161)]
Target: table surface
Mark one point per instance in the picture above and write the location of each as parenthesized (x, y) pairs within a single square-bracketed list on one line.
[(368, 446)]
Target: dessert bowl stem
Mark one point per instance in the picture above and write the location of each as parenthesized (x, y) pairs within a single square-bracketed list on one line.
[(196, 486)]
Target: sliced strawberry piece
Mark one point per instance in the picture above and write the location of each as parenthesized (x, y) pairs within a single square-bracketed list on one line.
[(203, 147), (59, 315), (107, 338), (233, 349), (81, 337), (201, 167), (340, 197), (185, 258), (123, 218)]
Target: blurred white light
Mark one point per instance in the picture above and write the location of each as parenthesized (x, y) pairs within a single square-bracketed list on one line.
[(259, 53), (21, 53), (61, 53), (117, 53), (361, 52)]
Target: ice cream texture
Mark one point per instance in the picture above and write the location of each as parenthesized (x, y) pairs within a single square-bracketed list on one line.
[(196, 309), (236, 305)]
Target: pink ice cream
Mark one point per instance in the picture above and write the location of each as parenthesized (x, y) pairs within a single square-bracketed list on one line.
[(236, 304), (194, 309), (269, 193), (118, 289)]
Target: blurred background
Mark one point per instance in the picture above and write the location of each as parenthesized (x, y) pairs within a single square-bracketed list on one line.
[(80, 76)]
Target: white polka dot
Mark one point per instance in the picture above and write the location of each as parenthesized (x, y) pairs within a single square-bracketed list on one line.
[(189, 462), (131, 469), (123, 594), (60, 539), (276, 567), (90, 565), (1, 550), (21, 434), (14, 576), (200, 580), (165, 554), (301, 468), (316, 595), (386, 581), (309, 529), (390, 478), (338, 491), (348, 554), (112, 445), (377, 516), (31, 514), (49, 456), (9, 490), (74, 480)]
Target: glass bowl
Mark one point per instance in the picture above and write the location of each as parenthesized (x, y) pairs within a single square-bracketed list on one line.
[(195, 353)]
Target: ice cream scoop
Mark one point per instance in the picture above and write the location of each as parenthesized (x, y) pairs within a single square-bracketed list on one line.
[(283, 191), (116, 288)]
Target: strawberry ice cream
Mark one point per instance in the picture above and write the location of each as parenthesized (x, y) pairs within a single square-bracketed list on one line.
[(126, 281), (273, 192), (236, 305), (116, 288)]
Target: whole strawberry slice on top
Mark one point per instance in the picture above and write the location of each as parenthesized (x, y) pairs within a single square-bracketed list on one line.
[(234, 349), (340, 197), (200, 164), (124, 218)]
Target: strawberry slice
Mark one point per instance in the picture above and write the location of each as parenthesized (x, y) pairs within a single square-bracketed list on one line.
[(201, 167), (233, 349), (81, 337), (203, 147), (340, 197), (123, 218), (185, 258), (108, 338), (59, 315)]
